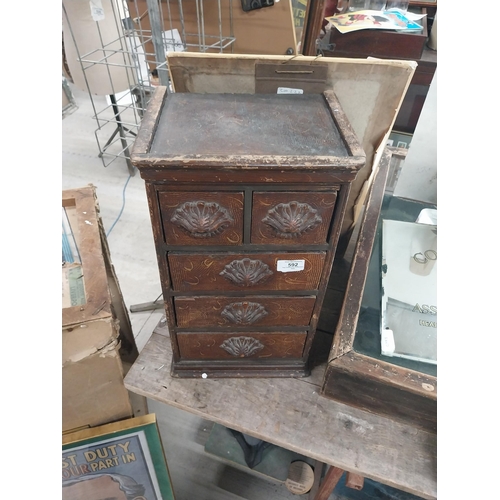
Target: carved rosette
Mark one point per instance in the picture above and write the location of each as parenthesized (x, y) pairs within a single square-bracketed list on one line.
[(202, 219), (242, 347), (292, 219), (246, 272), (244, 313)]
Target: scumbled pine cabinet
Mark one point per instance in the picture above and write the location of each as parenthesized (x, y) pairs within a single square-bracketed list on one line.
[(247, 194)]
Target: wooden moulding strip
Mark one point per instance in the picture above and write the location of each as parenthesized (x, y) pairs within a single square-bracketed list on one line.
[(348, 135), (128, 348), (284, 58), (179, 176), (98, 300), (344, 334), (149, 123), (388, 374), (382, 388), (342, 165), (76, 435)]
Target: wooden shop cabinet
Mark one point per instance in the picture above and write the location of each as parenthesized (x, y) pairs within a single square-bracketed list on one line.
[(247, 195)]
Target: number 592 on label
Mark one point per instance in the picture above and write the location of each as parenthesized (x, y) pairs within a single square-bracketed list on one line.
[(290, 266)]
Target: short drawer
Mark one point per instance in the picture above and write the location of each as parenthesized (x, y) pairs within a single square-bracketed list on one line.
[(248, 272), (292, 218), (231, 312), (232, 345), (202, 218)]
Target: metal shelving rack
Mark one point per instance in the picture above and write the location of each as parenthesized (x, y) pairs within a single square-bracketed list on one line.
[(145, 31)]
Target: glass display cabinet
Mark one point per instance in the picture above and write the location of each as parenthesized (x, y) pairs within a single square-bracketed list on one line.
[(369, 365)]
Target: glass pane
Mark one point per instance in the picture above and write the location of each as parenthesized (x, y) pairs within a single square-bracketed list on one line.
[(368, 338), (299, 8)]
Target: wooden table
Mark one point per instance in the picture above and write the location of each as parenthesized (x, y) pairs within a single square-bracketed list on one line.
[(290, 413)]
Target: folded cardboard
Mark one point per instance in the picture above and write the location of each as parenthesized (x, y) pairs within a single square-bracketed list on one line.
[(92, 371)]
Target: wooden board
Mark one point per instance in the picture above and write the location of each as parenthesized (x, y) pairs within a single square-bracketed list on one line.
[(404, 394), (98, 300), (369, 91), (290, 413)]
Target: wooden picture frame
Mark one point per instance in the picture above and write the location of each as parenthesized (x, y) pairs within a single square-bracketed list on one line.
[(122, 460), (373, 383)]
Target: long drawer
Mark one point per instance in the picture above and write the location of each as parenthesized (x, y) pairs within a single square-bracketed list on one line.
[(247, 272), (231, 312), (233, 346)]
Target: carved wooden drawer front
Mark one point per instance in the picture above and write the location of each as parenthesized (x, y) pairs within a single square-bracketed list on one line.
[(231, 312), (202, 218), (291, 218), (234, 346), (247, 273)]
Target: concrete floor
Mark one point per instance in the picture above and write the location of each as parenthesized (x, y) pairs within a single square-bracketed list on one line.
[(131, 239), (195, 474)]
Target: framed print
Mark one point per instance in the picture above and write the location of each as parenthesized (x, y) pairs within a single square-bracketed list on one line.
[(120, 461)]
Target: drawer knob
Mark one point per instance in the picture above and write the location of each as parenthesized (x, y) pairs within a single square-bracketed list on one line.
[(292, 219), (242, 347), (202, 219), (244, 313), (246, 272)]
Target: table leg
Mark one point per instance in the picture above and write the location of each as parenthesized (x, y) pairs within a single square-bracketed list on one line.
[(354, 481), (332, 477), (318, 473)]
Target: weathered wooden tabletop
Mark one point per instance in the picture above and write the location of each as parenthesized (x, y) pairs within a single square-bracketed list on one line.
[(291, 413)]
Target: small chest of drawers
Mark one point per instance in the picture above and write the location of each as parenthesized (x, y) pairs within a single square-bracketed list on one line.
[(247, 194)]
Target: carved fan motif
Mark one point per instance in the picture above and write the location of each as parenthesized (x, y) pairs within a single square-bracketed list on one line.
[(293, 219), (202, 219), (242, 347), (246, 272), (244, 313)]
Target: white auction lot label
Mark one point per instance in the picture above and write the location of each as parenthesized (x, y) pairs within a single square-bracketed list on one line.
[(288, 90), (290, 266)]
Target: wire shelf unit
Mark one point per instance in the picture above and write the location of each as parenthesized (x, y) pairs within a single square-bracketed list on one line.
[(116, 51)]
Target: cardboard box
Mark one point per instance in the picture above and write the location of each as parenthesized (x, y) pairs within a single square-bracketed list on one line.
[(92, 370)]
